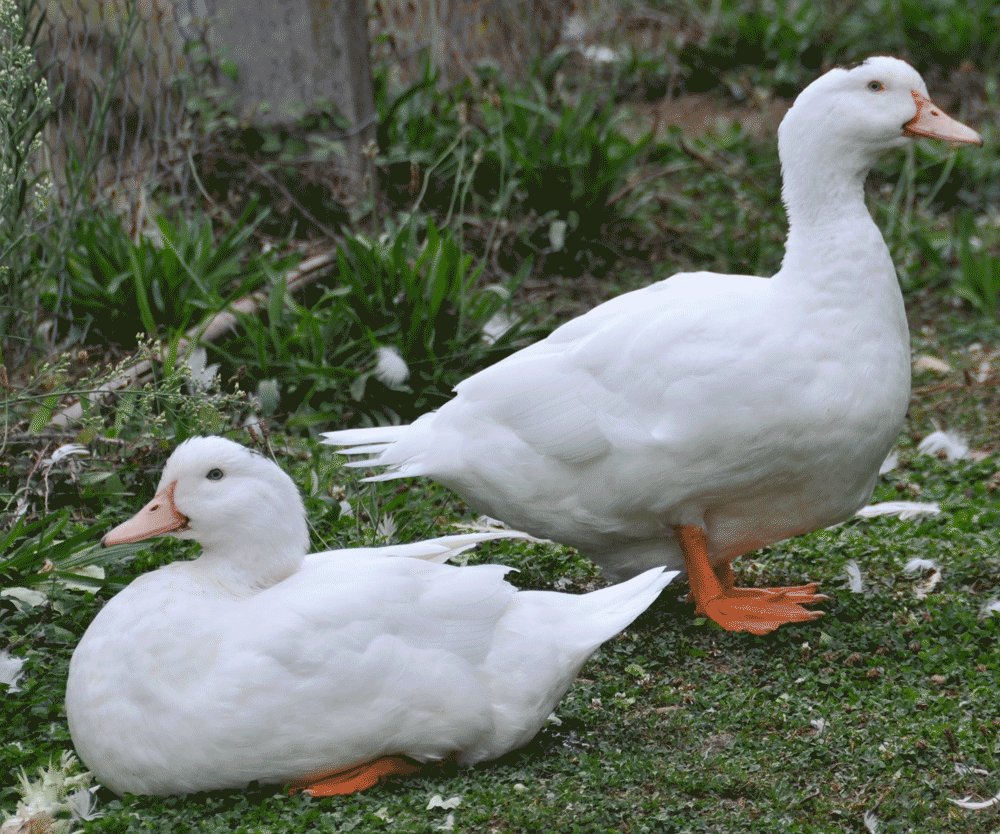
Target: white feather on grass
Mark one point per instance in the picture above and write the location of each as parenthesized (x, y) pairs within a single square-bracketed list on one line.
[(903, 510), (600, 54), (922, 589), (201, 375), (498, 324), (82, 804), (11, 670), (390, 367), (385, 530), (485, 524), (67, 450), (951, 444), (916, 564), (854, 577), (962, 769), (931, 363), (891, 462), (437, 801), (969, 805)]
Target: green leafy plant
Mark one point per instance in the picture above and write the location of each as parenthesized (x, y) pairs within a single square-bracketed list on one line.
[(978, 280), (177, 399), (116, 286), (741, 48), (420, 299), (947, 35), (717, 203), (565, 159), (782, 40), (45, 553), (535, 151)]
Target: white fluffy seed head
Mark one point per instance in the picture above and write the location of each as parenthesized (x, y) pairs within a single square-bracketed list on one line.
[(391, 368)]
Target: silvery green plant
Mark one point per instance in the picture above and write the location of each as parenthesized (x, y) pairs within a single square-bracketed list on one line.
[(24, 108)]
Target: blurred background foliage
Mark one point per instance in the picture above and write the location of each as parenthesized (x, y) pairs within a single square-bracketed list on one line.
[(531, 160), (527, 165)]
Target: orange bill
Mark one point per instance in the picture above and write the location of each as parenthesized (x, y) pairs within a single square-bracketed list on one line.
[(931, 121), (159, 517)]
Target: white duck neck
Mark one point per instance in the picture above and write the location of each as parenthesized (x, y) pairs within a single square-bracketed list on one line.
[(250, 557), (832, 239)]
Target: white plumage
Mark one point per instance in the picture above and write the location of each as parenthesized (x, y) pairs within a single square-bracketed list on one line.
[(751, 409), (257, 662)]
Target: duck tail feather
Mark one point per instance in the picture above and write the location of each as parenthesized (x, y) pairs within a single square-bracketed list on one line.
[(381, 435), (611, 609)]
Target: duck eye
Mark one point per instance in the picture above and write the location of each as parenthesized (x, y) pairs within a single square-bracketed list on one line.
[(214, 474), (876, 86)]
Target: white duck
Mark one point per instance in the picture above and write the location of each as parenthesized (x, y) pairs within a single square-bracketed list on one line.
[(707, 415), (333, 670)]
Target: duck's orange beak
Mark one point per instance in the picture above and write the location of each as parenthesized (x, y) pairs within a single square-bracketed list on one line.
[(931, 121), (159, 517)]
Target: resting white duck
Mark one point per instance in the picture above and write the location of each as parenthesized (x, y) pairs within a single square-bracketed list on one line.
[(699, 418), (329, 671)]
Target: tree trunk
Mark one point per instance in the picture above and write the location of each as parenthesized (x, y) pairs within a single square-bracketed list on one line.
[(297, 56)]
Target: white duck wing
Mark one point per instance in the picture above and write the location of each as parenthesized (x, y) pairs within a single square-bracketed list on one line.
[(341, 663), (403, 628), (437, 550), (597, 384)]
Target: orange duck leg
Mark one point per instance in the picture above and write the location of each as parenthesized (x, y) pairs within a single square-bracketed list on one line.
[(758, 610), (360, 777)]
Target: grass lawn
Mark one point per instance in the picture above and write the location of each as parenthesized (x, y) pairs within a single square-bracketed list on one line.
[(870, 719), (886, 706)]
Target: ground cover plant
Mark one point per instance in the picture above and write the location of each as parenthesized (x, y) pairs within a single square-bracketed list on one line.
[(882, 707), (873, 718)]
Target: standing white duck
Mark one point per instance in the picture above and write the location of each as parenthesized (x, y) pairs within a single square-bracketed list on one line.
[(707, 415), (332, 670)]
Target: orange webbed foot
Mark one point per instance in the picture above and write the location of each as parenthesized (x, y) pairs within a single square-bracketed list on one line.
[(802, 594), (358, 778), (757, 614), (757, 610)]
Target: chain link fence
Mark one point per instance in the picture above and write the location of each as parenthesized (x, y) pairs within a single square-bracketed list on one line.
[(128, 76), (120, 75)]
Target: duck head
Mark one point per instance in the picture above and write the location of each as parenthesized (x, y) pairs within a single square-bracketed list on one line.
[(238, 505), (843, 122), (863, 111)]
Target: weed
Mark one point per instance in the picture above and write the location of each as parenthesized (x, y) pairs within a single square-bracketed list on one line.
[(24, 107), (116, 286), (420, 299)]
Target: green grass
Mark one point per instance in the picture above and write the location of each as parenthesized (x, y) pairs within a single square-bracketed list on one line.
[(676, 726)]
